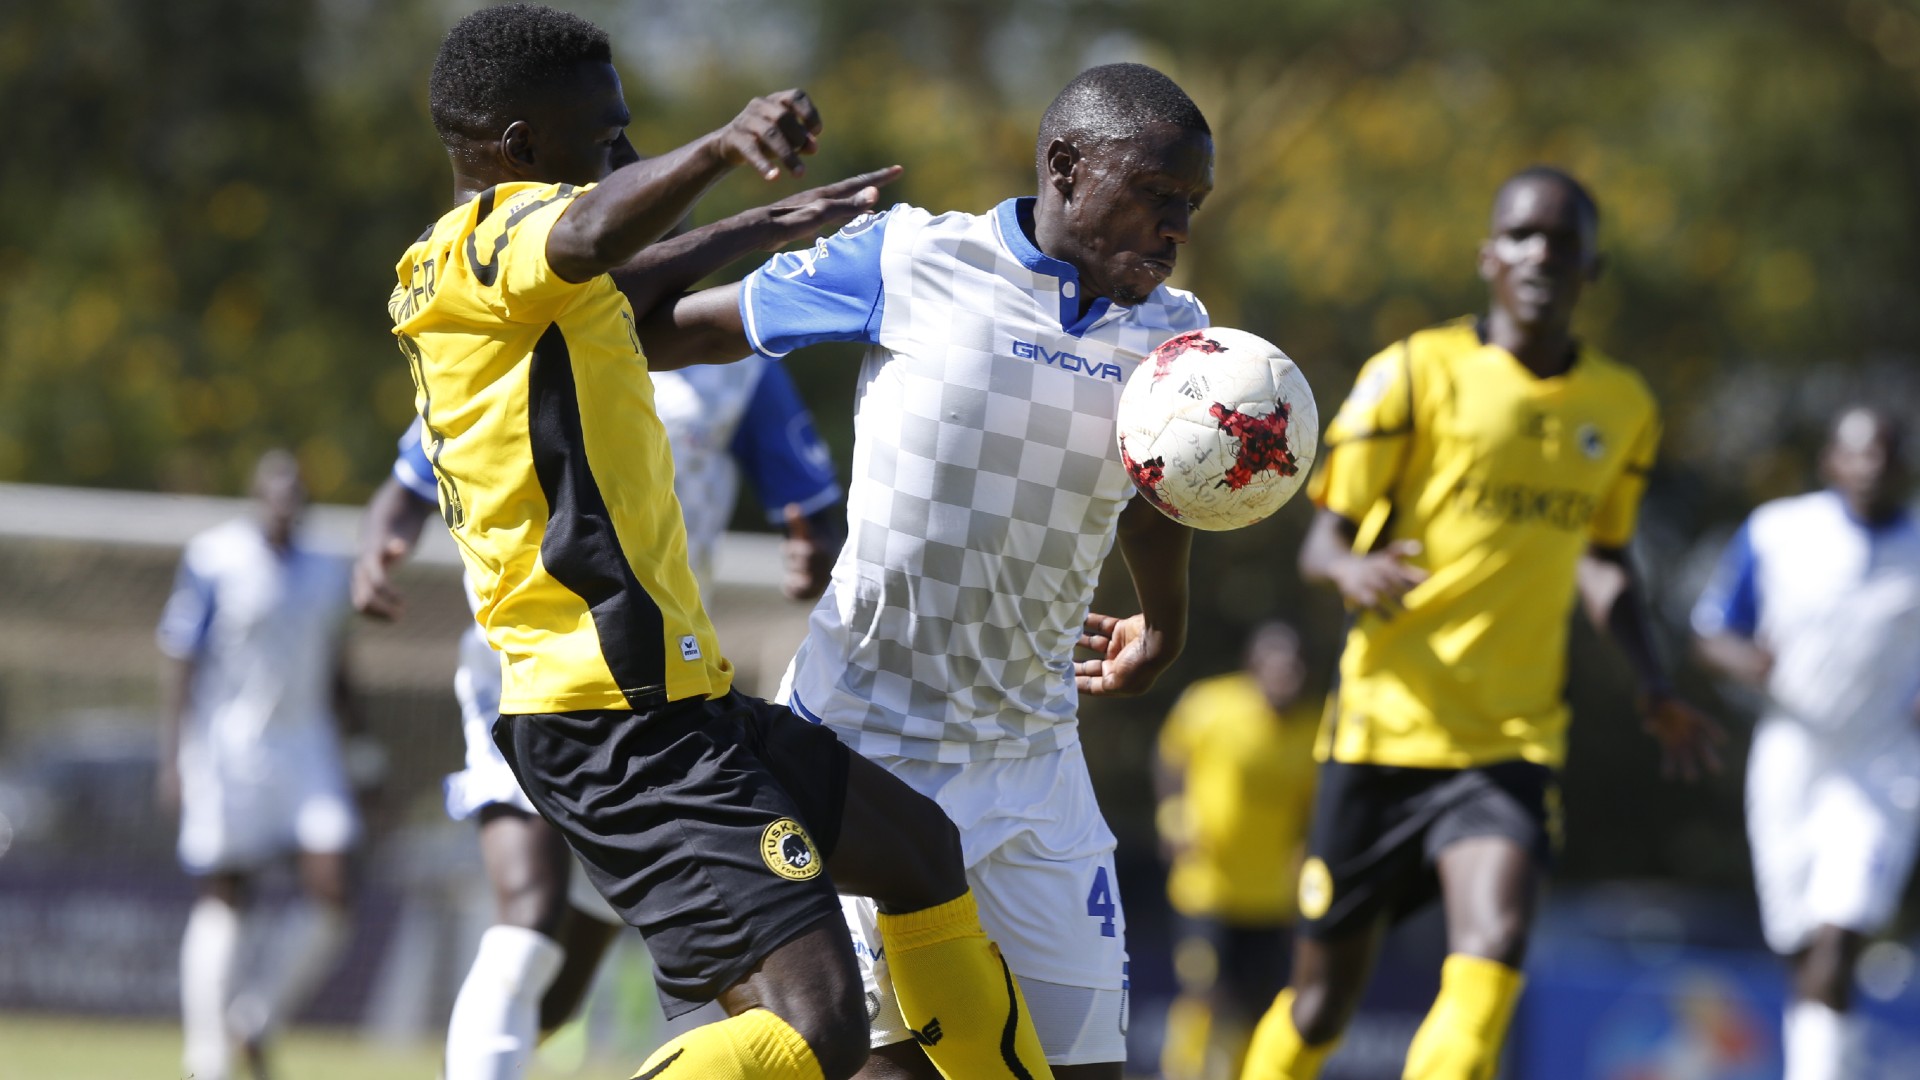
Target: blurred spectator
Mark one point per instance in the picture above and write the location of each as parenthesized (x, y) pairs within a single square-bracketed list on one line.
[(1234, 778), (251, 760), (1816, 605)]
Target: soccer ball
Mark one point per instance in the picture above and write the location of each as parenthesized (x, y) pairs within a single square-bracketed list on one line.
[(1217, 428)]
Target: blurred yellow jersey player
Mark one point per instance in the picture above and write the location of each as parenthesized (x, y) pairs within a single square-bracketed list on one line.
[(1504, 480), (1481, 476), (1235, 779)]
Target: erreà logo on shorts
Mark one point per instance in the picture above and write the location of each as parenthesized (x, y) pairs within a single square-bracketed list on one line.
[(789, 851), (689, 647), (1066, 361)]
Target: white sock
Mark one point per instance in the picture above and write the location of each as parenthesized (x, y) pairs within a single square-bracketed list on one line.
[(208, 953), (496, 1018), (1819, 1043), (310, 939)]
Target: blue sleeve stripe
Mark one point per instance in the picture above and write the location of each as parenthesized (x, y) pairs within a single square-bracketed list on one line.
[(748, 322), (820, 500), (1731, 603)]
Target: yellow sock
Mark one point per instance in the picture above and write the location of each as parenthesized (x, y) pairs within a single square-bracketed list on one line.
[(1278, 1052), (754, 1045), (958, 996), (1462, 1035), (1183, 1050)]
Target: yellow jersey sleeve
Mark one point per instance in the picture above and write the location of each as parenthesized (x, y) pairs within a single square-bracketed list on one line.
[(1366, 444), (506, 251), (1619, 511)]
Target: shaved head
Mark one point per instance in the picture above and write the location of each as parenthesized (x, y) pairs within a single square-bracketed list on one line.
[(1546, 174), (1116, 103)]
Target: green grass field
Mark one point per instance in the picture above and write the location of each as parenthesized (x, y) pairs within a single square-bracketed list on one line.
[(46, 1047)]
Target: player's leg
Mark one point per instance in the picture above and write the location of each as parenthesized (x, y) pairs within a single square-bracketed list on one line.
[(899, 847), (1302, 1027), (1254, 967), (1863, 830), (1490, 845), (323, 827), (1489, 884), (1187, 1046), (209, 954), (683, 827), (495, 1024), (584, 937)]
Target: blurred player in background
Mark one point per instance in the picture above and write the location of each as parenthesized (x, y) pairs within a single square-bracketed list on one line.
[(1481, 477), (1234, 776), (987, 492), (1816, 605), (709, 819), (537, 961), (251, 758)]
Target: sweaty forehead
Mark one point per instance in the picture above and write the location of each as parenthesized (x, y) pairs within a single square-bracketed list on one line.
[(1160, 148)]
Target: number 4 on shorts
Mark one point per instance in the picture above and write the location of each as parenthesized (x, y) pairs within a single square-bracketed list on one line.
[(1100, 903)]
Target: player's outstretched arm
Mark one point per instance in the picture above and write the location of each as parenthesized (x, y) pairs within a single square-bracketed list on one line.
[(1375, 581), (388, 534), (657, 276), (1609, 589), (1135, 650), (638, 203), (1739, 658)]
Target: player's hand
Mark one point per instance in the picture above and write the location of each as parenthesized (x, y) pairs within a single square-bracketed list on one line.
[(374, 593), (1689, 740), (819, 211), (771, 132), (1129, 658), (166, 789), (1379, 580), (808, 557)]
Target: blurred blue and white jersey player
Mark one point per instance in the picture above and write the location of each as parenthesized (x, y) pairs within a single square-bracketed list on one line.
[(1816, 604), (987, 493), (724, 422), (255, 629)]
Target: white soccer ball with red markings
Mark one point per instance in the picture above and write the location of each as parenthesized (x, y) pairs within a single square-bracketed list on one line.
[(1218, 428)]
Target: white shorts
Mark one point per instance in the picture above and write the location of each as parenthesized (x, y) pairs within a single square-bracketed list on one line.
[(240, 808), (1833, 839), (488, 779), (1040, 862)]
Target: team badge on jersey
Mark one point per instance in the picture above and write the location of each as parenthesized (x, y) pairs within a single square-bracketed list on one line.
[(1591, 443), (1316, 889), (789, 851)]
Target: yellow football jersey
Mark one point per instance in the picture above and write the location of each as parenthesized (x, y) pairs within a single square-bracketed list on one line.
[(1506, 479), (555, 474), (1249, 775)]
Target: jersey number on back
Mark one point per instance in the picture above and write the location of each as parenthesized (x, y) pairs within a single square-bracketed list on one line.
[(1100, 903)]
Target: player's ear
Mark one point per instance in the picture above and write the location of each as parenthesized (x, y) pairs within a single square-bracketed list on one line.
[(1489, 265), (1063, 158), (1595, 267), (516, 147)]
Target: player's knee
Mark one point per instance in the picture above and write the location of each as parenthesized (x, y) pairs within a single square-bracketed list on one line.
[(835, 1027), (1318, 1015), (530, 903), (934, 870), (1500, 937)]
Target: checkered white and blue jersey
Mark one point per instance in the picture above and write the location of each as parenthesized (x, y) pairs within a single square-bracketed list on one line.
[(1837, 603), (986, 482)]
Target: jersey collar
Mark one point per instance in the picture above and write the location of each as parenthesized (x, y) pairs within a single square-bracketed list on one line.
[(1014, 221)]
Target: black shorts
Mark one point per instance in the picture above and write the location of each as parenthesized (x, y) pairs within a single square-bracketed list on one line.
[(706, 824), (1378, 831)]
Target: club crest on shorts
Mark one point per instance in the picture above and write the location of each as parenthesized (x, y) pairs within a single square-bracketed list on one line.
[(1316, 889), (789, 851)]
